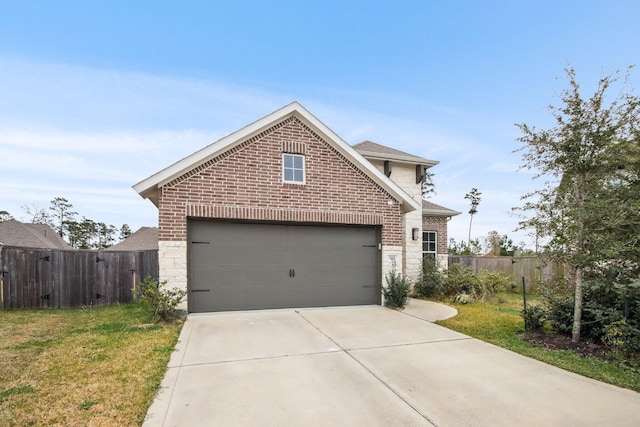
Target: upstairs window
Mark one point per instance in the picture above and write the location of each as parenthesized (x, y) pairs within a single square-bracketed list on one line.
[(293, 168)]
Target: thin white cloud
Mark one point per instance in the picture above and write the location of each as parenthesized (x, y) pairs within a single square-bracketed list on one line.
[(89, 135)]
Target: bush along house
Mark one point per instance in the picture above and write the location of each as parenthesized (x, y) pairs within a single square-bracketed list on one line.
[(284, 213)]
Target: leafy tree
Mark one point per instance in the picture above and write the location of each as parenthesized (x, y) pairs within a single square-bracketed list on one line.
[(89, 234), (5, 216), (428, 187), (105, 235), (82, 233), (474, 197), (498, 245), (125, 231), (62, 214), (473, 247), (588, 207)]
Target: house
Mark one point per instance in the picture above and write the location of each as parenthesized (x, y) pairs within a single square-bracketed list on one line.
[(38, 236), (408, 171), (144, 239), (284, 213)]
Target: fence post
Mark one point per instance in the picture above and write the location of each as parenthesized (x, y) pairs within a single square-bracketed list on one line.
[(524, 302), (1, 280)]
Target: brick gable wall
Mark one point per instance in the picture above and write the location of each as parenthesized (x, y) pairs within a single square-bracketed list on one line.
[(246, 183)]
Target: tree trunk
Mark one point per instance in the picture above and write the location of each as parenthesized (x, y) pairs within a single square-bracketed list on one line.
[(469, 239), (577, 308)]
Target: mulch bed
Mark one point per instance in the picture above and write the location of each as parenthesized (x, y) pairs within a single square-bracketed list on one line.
[(551, 341)]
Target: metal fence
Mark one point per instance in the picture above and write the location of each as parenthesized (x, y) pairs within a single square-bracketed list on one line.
[(49, 278), (532, 268)]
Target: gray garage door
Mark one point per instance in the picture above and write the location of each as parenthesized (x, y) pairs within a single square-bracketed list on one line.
[(240, 266)]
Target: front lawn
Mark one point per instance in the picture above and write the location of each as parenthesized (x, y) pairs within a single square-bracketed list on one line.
[(499, 322), (94, 366)]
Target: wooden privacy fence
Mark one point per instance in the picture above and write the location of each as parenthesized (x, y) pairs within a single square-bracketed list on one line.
[(50, 278), (531, 268)]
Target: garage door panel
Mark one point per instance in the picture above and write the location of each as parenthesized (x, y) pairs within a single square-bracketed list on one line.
[(256, 266)]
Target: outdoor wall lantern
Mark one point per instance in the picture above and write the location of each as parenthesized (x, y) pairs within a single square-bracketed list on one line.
[(415, 233)]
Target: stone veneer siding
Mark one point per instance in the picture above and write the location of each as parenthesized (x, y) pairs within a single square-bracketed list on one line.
[(404, 175), (245, 183)]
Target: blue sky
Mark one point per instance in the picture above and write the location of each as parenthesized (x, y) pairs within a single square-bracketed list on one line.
[(96, 96)]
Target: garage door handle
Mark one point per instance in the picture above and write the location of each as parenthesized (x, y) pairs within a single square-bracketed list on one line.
[(200, 290), (292, 272)]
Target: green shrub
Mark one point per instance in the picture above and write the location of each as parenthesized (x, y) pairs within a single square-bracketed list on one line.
[(396, 292), (622, 337), (534, 317), (560, 314), (489, 284), (160, 301), (610, 312), (429, 285), (557, 296), (458, 279)]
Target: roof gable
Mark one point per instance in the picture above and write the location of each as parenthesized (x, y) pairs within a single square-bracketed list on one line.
[(431, 209), (144, 239), (149, 187)]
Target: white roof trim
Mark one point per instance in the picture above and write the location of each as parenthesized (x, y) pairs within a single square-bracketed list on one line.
[(399, 158), (440, 212), (148, 188)]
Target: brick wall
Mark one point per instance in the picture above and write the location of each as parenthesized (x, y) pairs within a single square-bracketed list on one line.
[(246, 183), (438, 224)]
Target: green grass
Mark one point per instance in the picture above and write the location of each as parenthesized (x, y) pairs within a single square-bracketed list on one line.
[(499, 322), (92, 366)]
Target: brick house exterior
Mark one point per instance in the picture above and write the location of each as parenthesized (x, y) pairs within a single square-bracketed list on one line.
[(408, 171), (434, 220), (240, 178)]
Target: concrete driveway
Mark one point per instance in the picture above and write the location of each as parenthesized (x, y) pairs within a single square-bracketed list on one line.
[(368, 366)]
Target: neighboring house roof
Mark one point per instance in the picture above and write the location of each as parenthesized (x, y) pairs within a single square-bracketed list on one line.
[(149, 188), (371, 150), (15, 233), (431, 209), (145, 239)]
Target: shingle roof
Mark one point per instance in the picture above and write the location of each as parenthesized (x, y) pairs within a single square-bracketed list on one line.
[(370, 149), (15, 233), (431, 209), (145, 239)]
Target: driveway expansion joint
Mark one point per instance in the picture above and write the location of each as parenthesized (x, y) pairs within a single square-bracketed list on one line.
[(409, 344), (280, 356), (366, 368)]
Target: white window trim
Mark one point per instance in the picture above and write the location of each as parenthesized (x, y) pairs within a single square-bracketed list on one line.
[(435, 241), (304, 169)]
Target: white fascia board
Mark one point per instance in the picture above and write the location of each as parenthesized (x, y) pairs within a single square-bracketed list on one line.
[(148, 187), (440, 212), (400, 159)]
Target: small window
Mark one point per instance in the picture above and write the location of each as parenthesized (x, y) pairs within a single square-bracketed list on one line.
[(293, 168), (429, 243)]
